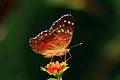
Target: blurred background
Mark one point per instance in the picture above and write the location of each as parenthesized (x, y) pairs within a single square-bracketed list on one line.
[(97, 22)]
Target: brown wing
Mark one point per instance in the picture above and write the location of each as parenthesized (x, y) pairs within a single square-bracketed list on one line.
[(64, 28), (43, 41), (58, 37)]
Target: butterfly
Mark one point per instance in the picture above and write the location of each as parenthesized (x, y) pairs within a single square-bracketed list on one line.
[(55, 41)]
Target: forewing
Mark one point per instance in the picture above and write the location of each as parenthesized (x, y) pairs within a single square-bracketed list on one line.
[(63, 28)]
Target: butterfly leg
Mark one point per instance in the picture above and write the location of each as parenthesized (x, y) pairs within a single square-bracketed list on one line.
[(69, 57), (65, 57), (60, 58), (51, 59)]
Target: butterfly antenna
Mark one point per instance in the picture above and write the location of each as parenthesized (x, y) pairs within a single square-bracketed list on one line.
[(65, 57), (77, 45)]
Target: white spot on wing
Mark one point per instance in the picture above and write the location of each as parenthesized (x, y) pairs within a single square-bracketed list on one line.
[(50, 33), (69, 22), (41, 32), (60, 26), (53, 24), (45, 31), (59, 19), (58, 31), (56, 21), (67, 31), (70, 33), (62, 16), (45, 34), (65, 21), (62, 30), (72, 23)]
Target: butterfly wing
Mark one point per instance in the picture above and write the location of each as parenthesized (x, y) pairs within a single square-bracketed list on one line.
[(63, 29), (51, 42), (44, 41)]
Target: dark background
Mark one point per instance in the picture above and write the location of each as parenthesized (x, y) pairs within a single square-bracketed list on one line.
[(97, 22)]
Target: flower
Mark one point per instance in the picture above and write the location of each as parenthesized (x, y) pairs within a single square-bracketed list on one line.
[(55, 68)]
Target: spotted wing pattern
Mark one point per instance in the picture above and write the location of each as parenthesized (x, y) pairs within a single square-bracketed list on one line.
[(54, 41)]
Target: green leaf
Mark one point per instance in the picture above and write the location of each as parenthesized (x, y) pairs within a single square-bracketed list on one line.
[(65, 69), (42, 68), (52, 79)]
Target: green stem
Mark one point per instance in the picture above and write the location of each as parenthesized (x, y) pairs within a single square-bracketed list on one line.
[(59, 78)]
